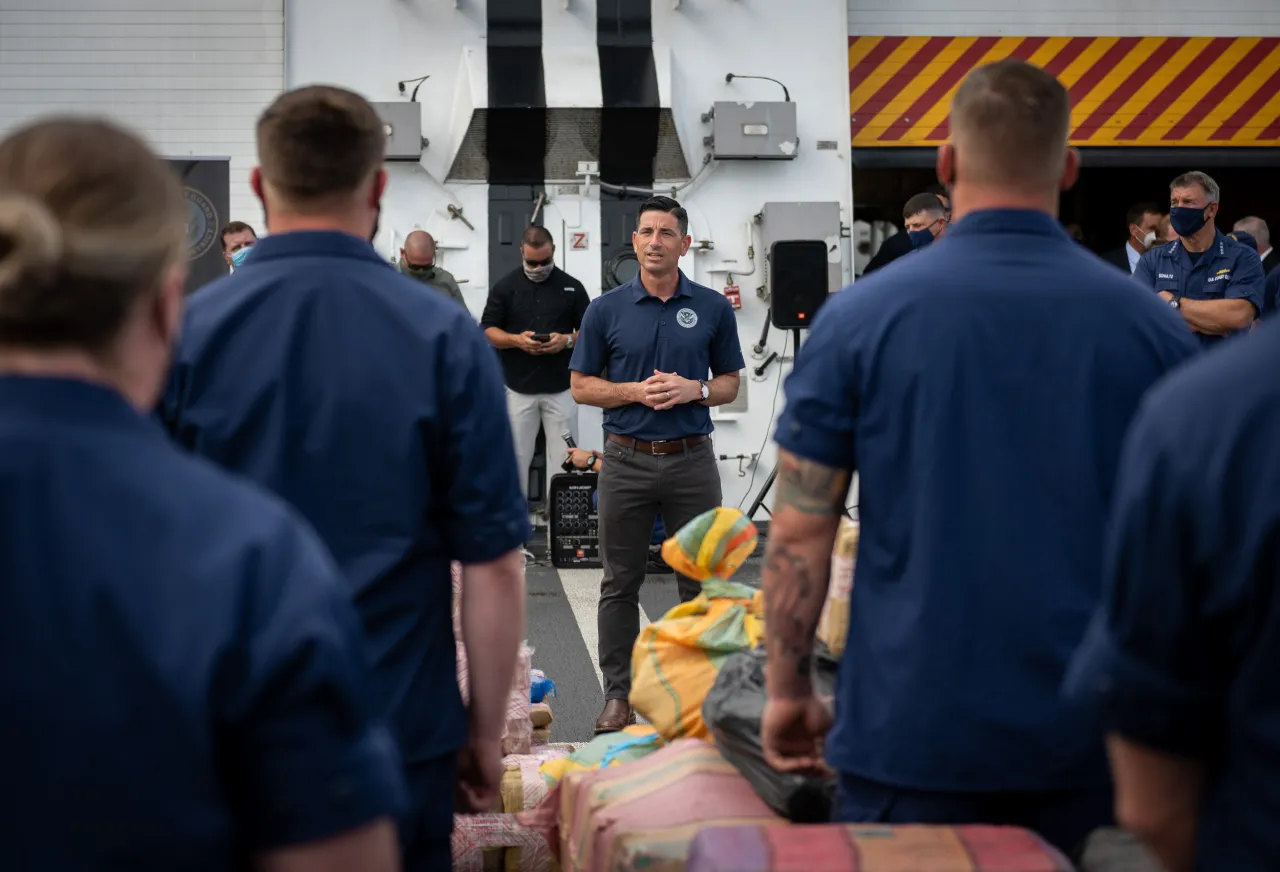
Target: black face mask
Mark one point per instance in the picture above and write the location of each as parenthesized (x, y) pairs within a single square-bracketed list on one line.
[(422, 273), (377, 217)]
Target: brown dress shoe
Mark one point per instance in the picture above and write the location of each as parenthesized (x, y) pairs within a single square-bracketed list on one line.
[(616, 715)]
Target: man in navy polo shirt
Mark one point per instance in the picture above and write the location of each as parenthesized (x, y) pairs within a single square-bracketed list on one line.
[(1213, 281), (672, 351), (981, 388), (1183, 652), (372, 403)]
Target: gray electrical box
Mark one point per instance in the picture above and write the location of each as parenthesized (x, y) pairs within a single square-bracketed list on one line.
[(754, 131), (786, 222), (403, 124)]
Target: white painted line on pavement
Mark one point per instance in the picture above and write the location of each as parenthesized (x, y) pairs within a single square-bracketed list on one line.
[(582, 590)]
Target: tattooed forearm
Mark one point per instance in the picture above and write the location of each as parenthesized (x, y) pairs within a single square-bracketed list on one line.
[(795, 587), (797, 566), (810, 487)]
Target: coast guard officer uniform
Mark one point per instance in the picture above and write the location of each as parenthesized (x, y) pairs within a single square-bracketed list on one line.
[(372, 403), (1227, 270), (981, 389), (184, 684), (1183, 653)]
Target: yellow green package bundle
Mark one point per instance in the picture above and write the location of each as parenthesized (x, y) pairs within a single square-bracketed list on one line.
[(605, 750), (676, 659)]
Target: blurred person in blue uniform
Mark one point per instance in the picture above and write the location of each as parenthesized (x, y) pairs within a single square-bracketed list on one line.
[(185, 683), (981, 389), (1182, 655), (1271, 294), (369, 401), (1214, 282)]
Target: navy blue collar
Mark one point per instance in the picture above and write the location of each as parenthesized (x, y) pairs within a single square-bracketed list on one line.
[(68, 399), (312, 243), (1216, 249), (638, 291), (993, 221)]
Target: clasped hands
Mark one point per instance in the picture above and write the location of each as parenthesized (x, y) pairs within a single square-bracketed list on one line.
[(666, 390)]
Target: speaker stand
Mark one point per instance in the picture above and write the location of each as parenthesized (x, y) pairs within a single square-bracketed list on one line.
[(758, 503)]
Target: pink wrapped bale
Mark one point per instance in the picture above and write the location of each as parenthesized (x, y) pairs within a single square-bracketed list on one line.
[(485, 842), (643, 815), (870, 848), (523, 785)]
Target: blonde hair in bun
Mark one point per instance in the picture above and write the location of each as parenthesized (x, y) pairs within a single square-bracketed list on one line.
[(30, 243), (90, 221)]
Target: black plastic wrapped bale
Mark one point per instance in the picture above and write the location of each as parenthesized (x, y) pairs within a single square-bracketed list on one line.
[(733, 711)]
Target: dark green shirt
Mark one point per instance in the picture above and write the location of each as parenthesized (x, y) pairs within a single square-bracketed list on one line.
[(440, 279)]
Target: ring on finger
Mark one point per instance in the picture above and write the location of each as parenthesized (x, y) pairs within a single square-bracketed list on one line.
[(668, 395)]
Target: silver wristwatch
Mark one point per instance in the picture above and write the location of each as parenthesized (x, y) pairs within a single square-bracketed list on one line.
[(706, 390)]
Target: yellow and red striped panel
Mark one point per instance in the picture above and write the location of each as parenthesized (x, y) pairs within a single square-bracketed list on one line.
[(1147, 91)]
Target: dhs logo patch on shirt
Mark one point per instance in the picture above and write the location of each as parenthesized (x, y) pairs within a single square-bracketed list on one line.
[(687, 318)]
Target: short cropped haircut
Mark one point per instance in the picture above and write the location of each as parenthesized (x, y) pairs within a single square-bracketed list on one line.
[(668, 205), (1195, 177), (235, 227), (536, 237), (1010, 121), (928, 203), (1139, 210), (319, 143)]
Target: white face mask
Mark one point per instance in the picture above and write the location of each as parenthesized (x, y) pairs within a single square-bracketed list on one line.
[(1149, 240), (538, 273)]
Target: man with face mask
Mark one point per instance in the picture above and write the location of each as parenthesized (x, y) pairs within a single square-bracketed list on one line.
[(238, 240), (1144, 230), (418, 261), (924, 217), (532, 317), (377, 410), (901, 243), (1214, 282)]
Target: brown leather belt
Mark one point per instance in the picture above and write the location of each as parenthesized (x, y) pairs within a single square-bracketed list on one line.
[(663, 446)]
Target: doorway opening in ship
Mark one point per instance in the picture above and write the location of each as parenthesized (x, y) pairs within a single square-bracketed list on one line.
[(1111, 180)]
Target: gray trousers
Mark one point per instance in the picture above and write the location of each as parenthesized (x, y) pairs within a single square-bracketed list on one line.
[(633, 487)]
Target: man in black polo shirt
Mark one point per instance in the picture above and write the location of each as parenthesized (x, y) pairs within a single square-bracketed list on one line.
[(532, 317), (672, 351)]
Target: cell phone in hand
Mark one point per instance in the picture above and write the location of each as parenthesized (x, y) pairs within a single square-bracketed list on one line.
[(542, 337)]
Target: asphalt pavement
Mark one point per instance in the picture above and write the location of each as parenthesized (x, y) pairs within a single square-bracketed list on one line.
[(561, 629)]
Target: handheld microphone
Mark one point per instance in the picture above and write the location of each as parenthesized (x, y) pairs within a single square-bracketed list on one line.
[(568, 466)]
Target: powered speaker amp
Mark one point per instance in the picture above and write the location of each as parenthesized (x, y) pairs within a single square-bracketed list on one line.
[(798, 275), (572, 524)]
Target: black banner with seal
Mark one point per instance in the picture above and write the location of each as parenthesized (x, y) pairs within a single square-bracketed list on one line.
[(206, 187)]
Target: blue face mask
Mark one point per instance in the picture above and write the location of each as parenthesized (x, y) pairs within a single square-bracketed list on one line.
[(239, 255), (920, 238), (1187, 220)]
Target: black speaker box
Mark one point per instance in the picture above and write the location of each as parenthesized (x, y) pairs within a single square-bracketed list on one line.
[(798, 273)]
